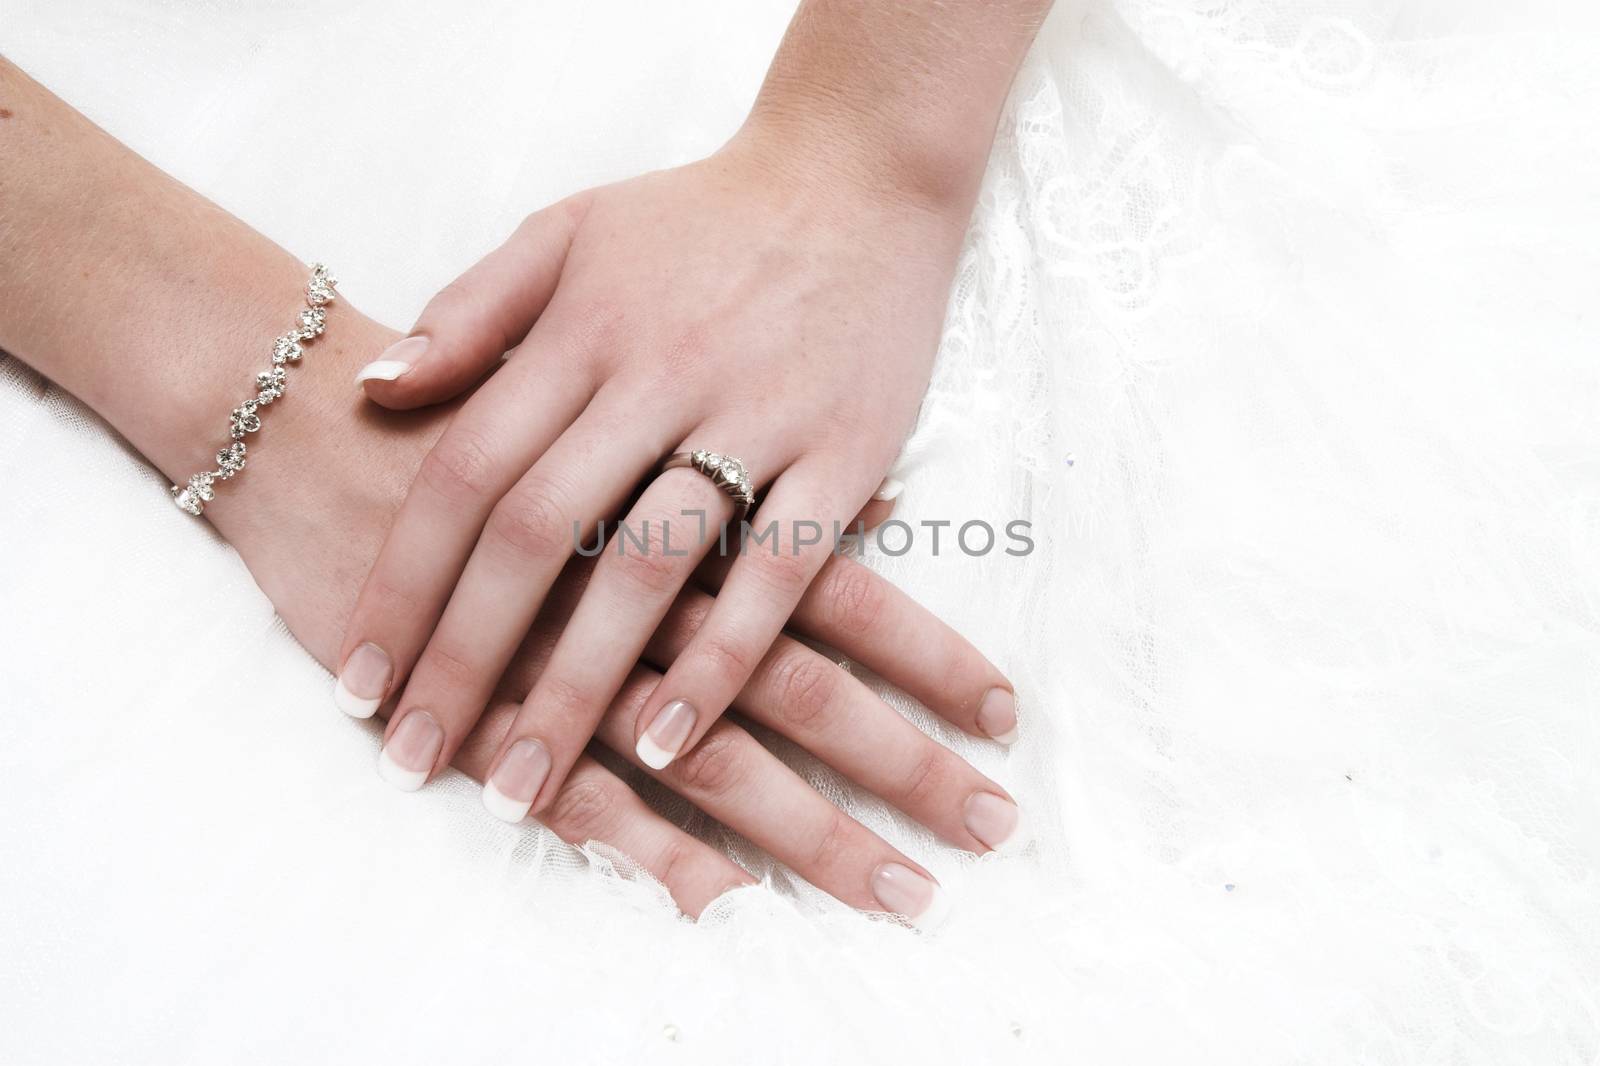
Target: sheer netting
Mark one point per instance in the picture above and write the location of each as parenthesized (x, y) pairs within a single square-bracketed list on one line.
[(1274, 322)]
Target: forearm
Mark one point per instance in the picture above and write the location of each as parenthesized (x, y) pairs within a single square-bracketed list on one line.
[(137, 295), (157, 308), (902, 95)]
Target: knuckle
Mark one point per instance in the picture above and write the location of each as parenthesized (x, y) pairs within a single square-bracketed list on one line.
[(842, 421), (596, 324), (965, 676), (563, 703), (466, 312), (461, 467), (854, 599), (571, 210), (805, 687), (386, 597), (927, 777), (648, 568), (784, 572), (635, 691), (833, 844), (568, 213), (529, 521), (713, 767), (451, 670), (727, 659), (457, 300), (674, 863), (690, 612), (584, 810), (686, 353), (450, 307)]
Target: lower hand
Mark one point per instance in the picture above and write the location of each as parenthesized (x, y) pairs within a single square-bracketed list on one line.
[(308, 528)]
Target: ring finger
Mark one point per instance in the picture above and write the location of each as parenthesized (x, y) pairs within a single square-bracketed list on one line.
[(793, 539), (639, 575)]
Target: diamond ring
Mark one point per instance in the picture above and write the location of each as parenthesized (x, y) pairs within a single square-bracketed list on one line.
[(725, 472)]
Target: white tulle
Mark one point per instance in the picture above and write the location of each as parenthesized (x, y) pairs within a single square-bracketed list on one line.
[(1276, 321)]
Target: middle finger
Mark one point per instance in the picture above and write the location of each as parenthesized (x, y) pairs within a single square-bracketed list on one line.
[(526, 542)]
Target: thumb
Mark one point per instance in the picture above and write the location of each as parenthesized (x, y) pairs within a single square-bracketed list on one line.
[(478, 317)]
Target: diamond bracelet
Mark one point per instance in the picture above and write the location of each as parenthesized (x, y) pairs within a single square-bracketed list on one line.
[(270, 383)]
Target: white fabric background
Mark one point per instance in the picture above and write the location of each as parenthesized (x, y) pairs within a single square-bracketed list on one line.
[(1277, 320)]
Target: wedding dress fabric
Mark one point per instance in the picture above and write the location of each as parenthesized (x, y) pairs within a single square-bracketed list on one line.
[(1276, 322)]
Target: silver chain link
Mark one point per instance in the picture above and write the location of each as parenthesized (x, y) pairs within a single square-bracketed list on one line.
[(270, 385)]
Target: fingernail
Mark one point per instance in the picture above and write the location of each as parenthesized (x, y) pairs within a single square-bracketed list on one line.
[(411, 751), (901, 890), (889, 489), (666, 734), (993, 819), (997, 715), (395, 360), (363, 681), (510, 790)]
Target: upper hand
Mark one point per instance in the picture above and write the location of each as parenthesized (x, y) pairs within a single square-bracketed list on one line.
[(730, 306)]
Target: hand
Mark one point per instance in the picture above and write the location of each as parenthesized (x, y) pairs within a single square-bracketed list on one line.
[(722, 306), (355, 465)]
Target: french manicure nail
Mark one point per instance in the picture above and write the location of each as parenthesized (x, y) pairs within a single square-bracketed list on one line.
[(410, 752), (666, 735), (901, 890), (395, 360), (363, 681), (993, 819), (997, 715), (890, 488), (510, 790)]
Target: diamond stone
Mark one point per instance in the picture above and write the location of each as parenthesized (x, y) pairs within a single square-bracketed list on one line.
[(230, 460), (244, 419), (319, 291), (286, 349), (313, 320), (271, 384)]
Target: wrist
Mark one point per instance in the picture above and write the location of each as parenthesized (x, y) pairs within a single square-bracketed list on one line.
[(313, 441), (829, 142), (327, 466), (901, 98), (211, 330)]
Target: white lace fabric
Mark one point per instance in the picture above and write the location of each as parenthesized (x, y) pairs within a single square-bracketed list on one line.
[(1274, 321)]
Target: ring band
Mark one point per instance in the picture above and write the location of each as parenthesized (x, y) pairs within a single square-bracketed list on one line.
[(725, 472)]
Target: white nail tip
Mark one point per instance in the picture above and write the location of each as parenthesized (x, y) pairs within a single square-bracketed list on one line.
[(1014, 841), (1008, 738), (890, 488), (351, 704), (935, 913), (652, 754), (382, 370), (503, 806), (397, 775)]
